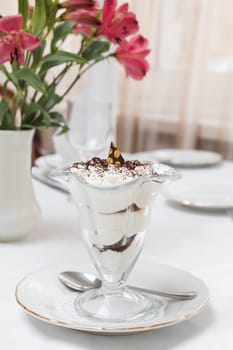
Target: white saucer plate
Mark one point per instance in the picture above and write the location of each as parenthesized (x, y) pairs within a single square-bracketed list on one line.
[(187, 158), (206, 195), (42, 176), (42, 295), (49, 162)]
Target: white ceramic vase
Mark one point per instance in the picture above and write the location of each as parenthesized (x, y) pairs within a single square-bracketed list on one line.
[(19, 211)]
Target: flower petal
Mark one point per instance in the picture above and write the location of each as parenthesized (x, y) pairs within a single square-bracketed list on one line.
[(82, 29), (117, 23), (11, 23), (135, 67), (108, 8), (29, 41), (124, 8), (20, 56), (132, 56), (84, 17), (79, 3), (123, 28), (138, 43), (5, 51)]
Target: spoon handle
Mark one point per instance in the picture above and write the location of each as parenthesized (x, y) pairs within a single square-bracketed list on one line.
[(74, 281), (179, 296)]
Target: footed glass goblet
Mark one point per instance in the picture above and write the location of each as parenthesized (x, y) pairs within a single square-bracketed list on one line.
[(114, 221)]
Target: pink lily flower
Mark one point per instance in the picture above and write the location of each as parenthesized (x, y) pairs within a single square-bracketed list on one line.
[(79, 4), (132, 56), (85, 21), (13, 42), (117, 23)]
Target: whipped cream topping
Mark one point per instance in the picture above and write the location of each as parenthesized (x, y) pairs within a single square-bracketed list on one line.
[(98, 172)]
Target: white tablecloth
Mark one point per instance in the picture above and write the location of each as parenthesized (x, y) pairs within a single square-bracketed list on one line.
[(199, 242)]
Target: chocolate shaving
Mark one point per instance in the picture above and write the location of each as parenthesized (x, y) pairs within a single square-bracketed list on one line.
[(118, 247), (99, 167), (94, 162), (103, 164), (133, 207)]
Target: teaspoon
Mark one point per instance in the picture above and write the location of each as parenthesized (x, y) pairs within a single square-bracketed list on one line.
[(81, 282)]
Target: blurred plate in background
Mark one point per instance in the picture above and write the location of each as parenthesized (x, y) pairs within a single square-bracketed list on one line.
[(49, 162), (205, 195), (187, 158)]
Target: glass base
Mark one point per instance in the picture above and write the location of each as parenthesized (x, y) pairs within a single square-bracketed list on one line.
[(119, 305)]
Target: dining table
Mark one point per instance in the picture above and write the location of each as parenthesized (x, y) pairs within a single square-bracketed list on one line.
[(195, 240)]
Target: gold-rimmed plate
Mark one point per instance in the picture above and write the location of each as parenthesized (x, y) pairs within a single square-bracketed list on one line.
[(42, 295)]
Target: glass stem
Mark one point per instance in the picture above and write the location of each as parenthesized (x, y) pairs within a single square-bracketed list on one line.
[(109, 287)]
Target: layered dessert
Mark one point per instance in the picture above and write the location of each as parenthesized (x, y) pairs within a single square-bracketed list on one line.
[(114, 199)]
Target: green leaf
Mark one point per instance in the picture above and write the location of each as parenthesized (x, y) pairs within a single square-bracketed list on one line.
[(36, 115), (5, 91), (38, 53), (14, 80), (4, 108), (50, 100), (58, 120), (31, 79), (60, 33), (6, 121), (32, 110), (51, 7), (26, 127), (63, 130), (39, 17), (58, 58), (4, 71), (39, 122), (95, 50), (56, 116), (9, 78), (23, 8)]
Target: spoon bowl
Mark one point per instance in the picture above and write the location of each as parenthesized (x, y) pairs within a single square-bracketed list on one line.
[(82, 282), (79, 281)]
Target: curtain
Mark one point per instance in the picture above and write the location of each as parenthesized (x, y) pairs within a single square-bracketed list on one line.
[(186, 100)]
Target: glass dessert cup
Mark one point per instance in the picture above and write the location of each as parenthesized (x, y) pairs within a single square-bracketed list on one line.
[(113, 222)]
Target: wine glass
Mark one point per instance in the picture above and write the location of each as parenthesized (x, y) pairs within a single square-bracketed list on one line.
[(92, 127)]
